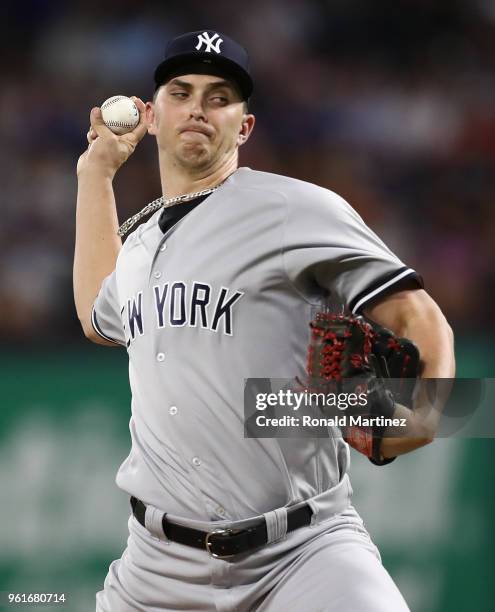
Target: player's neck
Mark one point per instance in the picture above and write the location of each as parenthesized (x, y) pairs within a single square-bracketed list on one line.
[(179, 181)]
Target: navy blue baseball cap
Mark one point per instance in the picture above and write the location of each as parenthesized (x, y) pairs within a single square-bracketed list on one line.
[(206, 52)]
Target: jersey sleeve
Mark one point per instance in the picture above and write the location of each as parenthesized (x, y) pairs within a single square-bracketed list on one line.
[(106, 316), (327, 245)]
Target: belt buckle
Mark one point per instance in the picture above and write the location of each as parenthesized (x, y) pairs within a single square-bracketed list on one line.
[(208, 543)]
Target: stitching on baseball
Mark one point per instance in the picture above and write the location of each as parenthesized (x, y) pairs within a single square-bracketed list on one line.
[(118, 124), (116, 99)]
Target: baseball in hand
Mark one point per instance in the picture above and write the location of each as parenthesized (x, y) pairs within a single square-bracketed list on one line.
[(120, 114)]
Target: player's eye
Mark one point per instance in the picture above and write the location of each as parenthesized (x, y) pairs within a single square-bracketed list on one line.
[(219, 99), (179, 94)]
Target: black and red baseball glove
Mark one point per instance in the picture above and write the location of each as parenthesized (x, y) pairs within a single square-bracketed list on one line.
[(348, 354)]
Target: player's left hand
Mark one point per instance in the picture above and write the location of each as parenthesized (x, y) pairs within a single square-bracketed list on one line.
[(348, 352)]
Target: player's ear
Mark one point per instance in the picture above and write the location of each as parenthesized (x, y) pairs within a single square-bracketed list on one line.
[(247, 126), (150, 118)]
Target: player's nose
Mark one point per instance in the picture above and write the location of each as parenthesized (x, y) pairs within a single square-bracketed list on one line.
[(197, 110)]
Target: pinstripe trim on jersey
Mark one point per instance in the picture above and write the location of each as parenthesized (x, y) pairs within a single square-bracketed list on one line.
[(98, 329), (383, 284)]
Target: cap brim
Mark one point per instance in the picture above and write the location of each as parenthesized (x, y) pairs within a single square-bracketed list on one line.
[(204, 63)]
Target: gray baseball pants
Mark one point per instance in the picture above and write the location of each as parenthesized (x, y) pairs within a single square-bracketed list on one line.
[(330, 566)]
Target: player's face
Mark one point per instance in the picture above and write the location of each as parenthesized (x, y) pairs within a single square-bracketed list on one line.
[(199, 120)]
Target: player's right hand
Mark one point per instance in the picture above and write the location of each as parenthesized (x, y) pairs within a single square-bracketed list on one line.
[(106, 151)]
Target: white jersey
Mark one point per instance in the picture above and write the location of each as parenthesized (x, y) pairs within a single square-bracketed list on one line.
[(224, 295)]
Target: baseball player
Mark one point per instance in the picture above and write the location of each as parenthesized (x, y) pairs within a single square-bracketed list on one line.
[(216, 287)]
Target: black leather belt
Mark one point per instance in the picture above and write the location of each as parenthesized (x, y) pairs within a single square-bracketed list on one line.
[(223, 543)]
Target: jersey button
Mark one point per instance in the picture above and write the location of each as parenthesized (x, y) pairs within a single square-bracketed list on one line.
[(172, 410), (163, 247), (221, 511), (160, 357), (157, 274), (196, 461)]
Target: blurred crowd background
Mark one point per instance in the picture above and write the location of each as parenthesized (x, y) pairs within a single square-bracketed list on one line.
[(388, 103)]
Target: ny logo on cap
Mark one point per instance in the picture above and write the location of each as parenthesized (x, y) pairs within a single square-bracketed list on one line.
[(205, 39)]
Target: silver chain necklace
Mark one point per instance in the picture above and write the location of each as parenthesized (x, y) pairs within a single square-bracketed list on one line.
[(162, 202)]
